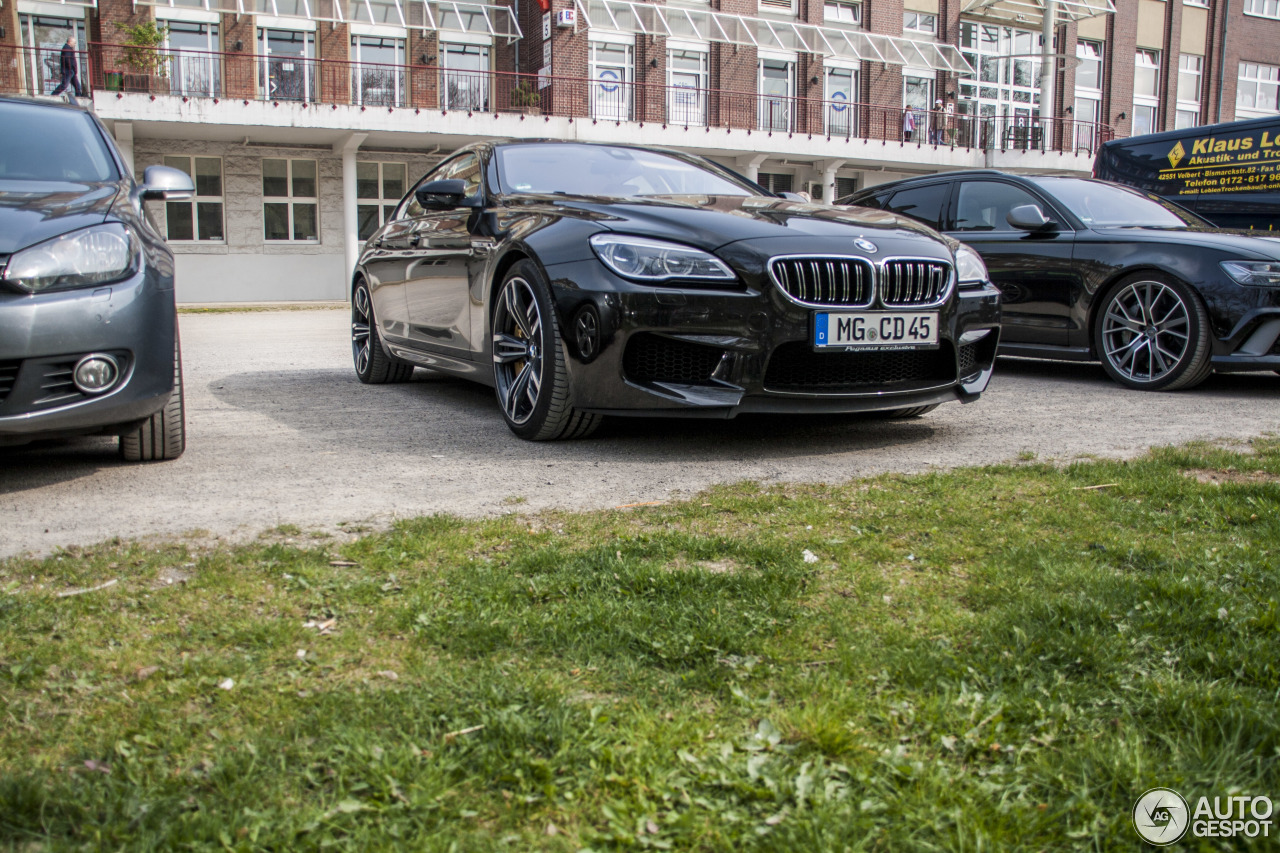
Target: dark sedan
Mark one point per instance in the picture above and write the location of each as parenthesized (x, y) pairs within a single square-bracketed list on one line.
[(590, 280), (88, 326), (1094, 271)]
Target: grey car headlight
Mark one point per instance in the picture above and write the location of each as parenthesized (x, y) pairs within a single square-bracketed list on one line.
[(1256, 273), (657, 260), (970, 269), (84, 258)]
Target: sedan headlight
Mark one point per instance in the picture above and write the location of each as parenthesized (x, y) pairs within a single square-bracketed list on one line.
[(85, 258), (1256, 273), (970, 269), (656, 260)]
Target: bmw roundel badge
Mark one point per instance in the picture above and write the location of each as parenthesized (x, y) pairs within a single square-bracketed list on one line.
[(866, 245)]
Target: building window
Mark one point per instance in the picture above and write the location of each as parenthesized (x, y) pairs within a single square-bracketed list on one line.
[(288, 70), (377, 71), (842, 13), (1008, 82), (290, 200), (778, 6), (920, 23), (1146, 91), (47, 35), (777, 89), (1257, 90), (379, 188), (1203, 4), (1190, 71), (687, 92), (194, 67), (1089, 71), (776, 182), (842, 95), (200, 218), (466, 76), (612, 73), (1262, 8)]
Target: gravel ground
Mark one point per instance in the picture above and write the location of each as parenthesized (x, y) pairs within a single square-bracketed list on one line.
[(281, 432)]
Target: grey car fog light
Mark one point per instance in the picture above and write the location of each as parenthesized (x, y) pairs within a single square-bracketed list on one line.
[(96, 373)]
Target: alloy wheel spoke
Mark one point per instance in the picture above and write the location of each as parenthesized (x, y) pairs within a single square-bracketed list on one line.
[(362, 304), (508, 348), (516, 391)]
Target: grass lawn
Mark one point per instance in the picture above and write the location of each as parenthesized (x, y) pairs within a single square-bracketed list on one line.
[(988, 659)]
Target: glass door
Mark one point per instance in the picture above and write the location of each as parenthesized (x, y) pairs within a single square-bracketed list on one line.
[(917, 100), (687, 97), (194, 67), (287, 73), (777, 89), (842, 88), (45, 37), (466, 77), (612, 70), (377, 76)]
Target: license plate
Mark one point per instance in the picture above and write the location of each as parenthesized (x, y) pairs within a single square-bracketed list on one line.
[(875, 330)]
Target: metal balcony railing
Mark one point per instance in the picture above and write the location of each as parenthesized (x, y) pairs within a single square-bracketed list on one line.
[(38, 70), (278, 78)]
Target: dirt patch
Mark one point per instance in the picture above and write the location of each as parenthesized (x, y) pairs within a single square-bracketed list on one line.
[(718, 567), (1217, 478)]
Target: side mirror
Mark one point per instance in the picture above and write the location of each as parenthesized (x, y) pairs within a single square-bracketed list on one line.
[(1028, 217), (442, 195), (167, 183)]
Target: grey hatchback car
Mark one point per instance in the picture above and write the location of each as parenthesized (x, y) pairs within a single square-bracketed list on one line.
[(88, 323)]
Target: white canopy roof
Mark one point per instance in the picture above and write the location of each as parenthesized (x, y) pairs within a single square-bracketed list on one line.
[(1031, 12), (456, 16), (628, 16)]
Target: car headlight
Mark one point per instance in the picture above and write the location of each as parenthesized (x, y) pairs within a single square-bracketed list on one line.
[(656, 260), (84, 258), (970, 269), (1256, 273)]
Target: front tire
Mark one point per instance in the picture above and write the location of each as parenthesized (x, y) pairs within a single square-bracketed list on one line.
[(373, 365), (162, 436), (1152, 334), (529, 372)]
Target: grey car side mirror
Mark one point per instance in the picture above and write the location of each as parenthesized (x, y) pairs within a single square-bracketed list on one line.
[(167, 183), (1028, 217)]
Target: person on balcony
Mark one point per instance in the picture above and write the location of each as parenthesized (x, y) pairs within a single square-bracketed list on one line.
[(70, 71), (908, 124)]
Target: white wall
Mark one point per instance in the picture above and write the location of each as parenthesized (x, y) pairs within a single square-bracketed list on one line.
[(261, 277)]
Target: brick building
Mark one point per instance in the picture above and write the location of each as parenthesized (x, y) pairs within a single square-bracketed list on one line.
[(304, 121)]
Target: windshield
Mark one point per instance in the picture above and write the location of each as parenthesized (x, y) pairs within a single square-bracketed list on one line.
[(55, 144), (1102, 205), (608, 170)]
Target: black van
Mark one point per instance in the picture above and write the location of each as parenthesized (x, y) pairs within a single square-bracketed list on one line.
[(1228, 173)]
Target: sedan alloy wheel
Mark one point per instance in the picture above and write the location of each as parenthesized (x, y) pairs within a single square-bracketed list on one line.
[(373, 365), (1152, 334)]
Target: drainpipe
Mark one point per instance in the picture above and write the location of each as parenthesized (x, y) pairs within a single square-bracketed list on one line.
[(1224, 7), (1047, 60), (350, 218)]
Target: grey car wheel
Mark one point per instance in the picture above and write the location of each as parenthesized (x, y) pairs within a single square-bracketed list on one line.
[(530, 378), (373, 365), (162, 436), (1153, 334)]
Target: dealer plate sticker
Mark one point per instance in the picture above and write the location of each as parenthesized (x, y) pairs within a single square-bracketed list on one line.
[(875, 330)]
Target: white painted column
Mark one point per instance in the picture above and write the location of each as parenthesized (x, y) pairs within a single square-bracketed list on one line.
[(1047, 61), (123, 132), (829, 169), (750, 166), (350, 218)]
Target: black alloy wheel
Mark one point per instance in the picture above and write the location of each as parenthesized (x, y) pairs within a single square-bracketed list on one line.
[(373, 365), (1153, 334), (530, 377)]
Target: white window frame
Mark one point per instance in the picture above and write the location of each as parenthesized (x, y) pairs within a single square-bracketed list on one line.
[(291, 201), (855, 20), (1203, 4), (1254, 80), (914, 23), (1018, 100), (766, 115), (603, 104), (196, 199), (1146, 58), (841, 122), (684, 114), (1263, 8), (778, 7), (381, 202), (1189, 110)]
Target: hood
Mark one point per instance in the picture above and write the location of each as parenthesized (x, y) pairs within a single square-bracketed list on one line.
[(712, 222), (1249, 245), (34, 211)]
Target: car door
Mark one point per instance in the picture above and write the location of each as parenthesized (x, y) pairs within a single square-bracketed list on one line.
[(389, 259), (436, 291), (1034, 270)]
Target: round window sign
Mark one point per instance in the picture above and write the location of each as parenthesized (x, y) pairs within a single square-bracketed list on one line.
[(839, 97), (608, 77)]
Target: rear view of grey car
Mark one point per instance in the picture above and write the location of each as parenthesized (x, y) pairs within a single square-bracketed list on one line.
[(88, 324)]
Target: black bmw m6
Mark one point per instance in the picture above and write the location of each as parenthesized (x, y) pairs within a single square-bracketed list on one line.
[(588, 280)]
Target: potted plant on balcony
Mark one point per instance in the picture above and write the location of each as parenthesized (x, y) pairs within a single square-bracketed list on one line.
[(143, 56), (525, 99)]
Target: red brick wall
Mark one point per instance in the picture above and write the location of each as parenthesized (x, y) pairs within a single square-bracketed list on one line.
[(333, 41), (1249, 39), (241, 70)]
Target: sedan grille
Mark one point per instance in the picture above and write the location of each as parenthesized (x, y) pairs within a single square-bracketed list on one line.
[(56, 384), (914, 282), (8, 375), (825, 281), (654, 358), (797, 367)]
